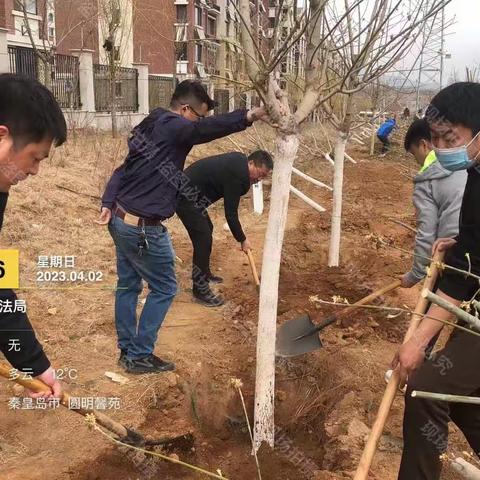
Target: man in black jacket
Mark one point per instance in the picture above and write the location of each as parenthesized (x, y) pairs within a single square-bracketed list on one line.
[(30, 123), (454, 120), (226, 176)]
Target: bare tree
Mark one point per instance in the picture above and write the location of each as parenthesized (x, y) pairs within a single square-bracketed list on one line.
[(116, 20), (372, 49), (371, 38)]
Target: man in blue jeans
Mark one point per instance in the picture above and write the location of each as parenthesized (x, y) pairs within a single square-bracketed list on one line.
[(141, 194)]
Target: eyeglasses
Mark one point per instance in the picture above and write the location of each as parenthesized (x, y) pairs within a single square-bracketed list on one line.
[(194, 111)]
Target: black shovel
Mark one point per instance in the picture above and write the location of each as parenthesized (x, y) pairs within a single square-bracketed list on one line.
[(298, 336)]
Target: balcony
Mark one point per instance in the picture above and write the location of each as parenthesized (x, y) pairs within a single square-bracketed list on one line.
[(182, 67), (213, 7)]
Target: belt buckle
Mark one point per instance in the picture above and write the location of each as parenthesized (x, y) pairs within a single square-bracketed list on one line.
[(131, 219)]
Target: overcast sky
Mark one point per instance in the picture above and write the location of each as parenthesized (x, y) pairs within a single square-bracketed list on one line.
[(464, 43)]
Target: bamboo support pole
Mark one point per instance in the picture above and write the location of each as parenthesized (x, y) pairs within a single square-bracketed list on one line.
[(306, 199), (445, 397), (310, 179), (458, 312)]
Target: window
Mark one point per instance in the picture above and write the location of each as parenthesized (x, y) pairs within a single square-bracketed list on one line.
[(271, 22), (212, 27), (181, 14), (30, 6), (198, 52), (182, 52), (116, 54), (198, 16), (51, 32), (50, 17)]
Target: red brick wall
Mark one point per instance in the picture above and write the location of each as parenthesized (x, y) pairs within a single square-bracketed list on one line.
[(9, 23), (153, 34), (3, 18), (76, 25)]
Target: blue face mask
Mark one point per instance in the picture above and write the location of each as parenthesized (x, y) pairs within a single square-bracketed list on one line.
[(456, 158)]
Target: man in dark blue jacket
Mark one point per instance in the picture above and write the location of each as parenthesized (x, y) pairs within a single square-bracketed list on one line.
[(141, 194)]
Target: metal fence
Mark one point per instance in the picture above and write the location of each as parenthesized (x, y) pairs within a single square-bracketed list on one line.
[(66, 81), (61, 75), (126, 89), (160, 90), (23, 61)]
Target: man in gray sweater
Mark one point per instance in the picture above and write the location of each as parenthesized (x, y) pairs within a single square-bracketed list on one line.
[(437, 197)]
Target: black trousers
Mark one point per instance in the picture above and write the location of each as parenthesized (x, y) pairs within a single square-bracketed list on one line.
[(385, 143), (452, 370), (200, 229)]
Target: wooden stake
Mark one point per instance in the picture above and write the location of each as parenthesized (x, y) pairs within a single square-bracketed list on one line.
[(392, 387)]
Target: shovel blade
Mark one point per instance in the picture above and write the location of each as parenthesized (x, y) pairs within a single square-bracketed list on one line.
[(288, 342)]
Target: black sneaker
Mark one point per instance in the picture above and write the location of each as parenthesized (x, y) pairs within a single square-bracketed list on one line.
[(150, 364), (207, 297), (163, 364), (215, 279), (122, 360)]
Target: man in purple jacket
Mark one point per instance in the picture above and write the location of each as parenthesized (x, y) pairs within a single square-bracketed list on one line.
[(141, 194)]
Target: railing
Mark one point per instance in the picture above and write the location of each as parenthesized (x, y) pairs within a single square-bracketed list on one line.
[(160, 90), (66, 81), (125, 89), (59, 73)]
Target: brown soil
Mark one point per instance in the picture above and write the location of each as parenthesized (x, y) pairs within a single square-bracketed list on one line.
[(325, 400)]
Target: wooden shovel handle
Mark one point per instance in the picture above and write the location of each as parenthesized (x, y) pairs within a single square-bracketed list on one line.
[(369, 298), (394, 382), (253, 267), (38, 386)]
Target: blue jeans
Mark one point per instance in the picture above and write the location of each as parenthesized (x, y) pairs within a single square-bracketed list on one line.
[(156, 265)]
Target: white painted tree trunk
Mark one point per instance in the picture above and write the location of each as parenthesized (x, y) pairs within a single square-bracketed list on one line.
[(336, 228), (287, 146)]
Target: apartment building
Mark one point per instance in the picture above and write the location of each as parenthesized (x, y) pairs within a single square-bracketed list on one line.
[(281, 22)]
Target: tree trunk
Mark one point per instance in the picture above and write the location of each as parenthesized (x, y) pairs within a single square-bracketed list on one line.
[(336, 225), (113, 103), (287, 146), (336, 229), (113, 96)]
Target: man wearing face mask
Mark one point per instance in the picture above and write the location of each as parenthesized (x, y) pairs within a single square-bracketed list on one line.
[(140, 195), (226, 176), (437, 196), (454, 120)]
